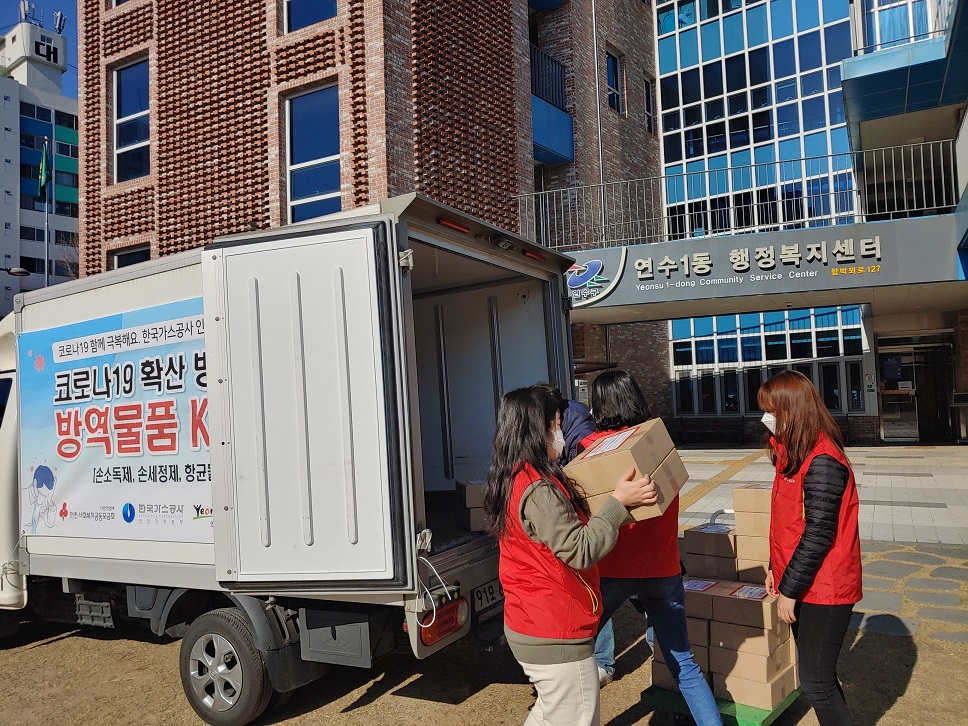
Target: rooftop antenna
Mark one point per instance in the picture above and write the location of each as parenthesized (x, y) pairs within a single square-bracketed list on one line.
[(59, 22), (28, 13)]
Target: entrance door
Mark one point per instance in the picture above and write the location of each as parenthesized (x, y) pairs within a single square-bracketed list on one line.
[(915, 383)]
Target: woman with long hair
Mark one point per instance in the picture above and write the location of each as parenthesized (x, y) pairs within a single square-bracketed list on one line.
[(549, 547), (645, 561), (815, 566)]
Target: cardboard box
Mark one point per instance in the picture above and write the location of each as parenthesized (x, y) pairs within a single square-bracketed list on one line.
[(699, 654), (718, 568), (472, 519), (648, 449), (767, 695), (758, 641), (698, 631), (753, 548), (761, 668), (752, 524), (699, 601), (745, 605), (752, 571), (669, 478), (470, 494), (716, 540), (753, 498)]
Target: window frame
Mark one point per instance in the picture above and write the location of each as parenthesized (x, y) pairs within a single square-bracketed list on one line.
[(286, 15), (290, 167), (131, 117), (651, 117), (113, 255), (618, 92)]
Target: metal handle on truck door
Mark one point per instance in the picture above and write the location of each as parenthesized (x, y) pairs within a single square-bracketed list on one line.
[(255, 331), (447, 435), (346, 407)]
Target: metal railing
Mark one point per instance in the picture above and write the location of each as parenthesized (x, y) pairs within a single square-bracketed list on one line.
[(890, 24), (547, 78), (890, 183)]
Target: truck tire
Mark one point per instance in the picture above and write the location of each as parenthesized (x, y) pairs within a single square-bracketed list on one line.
[(222, 672)]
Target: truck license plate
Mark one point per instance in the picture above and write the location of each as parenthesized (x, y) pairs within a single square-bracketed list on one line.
[(488, 594)]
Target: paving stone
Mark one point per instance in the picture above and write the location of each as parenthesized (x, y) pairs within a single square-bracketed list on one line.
[(949, 551), (918, 557), (877, 583), (885, 602), (884, 624), (961, 637), (935, 598), (874, 546), (926, 583), (894, 570), (952, 573), (947, 616)]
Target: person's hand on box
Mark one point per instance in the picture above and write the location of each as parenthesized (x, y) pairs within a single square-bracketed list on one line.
[(770, 586), (784, 608), (635, 492)]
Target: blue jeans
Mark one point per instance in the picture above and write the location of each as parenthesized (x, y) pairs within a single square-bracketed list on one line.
[(605, 645), (664, 600)]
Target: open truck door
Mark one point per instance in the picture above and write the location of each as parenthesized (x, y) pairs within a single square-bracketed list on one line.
[(311, 482)]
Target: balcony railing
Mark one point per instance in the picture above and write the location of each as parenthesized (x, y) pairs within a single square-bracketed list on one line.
[(547, 78), (882, 24), (879, 184)]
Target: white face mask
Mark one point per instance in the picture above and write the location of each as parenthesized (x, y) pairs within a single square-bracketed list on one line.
[(558, 442), (769, 420)]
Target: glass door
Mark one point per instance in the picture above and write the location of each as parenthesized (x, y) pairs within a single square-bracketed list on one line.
[(899, 404)]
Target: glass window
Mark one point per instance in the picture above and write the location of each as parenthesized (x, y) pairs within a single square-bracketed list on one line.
[(670, 92), (667, 55), (733, 38), (131, 123), (314, 170), (781, 18), (687, 13), (853, 343), (754, 379), (708, 9), (693, 115), (739, 132), (27, 109), (759, 66), (729, 5), (774, 321), (825, 317), (705, 353), (762, 126), (129, 256), (716, 138), (672, 147), (681, 328), (752, 348), (801, 345), (786, 90), (703, 326), (711, 47), (830, 385), (787, 120), (855, 385), (828, 343), (835, 103), (712, 78), (666, 19), (715, 110), (799, 320), (756, 29), (691, 92), (649, 109), (66, 120), (761, 97), (776, 347), (808, 15), (811, 84), (43, 114), (730, 392), (682, 353), (684, 395), (726, 324), (833, 77), (707, 393), (688, 48), (806, 369), (303, 13), (837, 42), (728, 352), (736, 73), (738, 104), (850, 316), (835, 10), (615, 82), (743, 209), (784, 59), (749, 323), (671, 121), (809, 46)]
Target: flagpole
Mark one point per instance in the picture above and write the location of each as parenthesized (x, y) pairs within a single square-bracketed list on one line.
[(46, 218)]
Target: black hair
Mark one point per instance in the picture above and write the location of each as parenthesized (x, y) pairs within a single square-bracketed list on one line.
[(523, 423), (560, 402), (617, 401)]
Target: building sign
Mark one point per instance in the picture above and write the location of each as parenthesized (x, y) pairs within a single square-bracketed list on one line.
[(823, 258), (114, 427)]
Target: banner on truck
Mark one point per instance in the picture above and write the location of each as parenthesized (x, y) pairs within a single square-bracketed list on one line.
[(114, 427)]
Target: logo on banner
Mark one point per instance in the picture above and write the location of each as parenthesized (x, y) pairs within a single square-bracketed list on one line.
[(128, 512), (586, 279)]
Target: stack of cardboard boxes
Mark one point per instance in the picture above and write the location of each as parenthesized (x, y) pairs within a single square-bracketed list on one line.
[(470, 504), (737, 638)]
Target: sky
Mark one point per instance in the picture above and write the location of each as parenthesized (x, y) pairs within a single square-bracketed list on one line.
[(10, 15)]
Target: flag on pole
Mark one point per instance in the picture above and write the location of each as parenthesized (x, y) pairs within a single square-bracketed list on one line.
[(44, 173)]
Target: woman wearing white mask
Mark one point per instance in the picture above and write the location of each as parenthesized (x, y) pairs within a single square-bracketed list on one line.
[(549, 548)]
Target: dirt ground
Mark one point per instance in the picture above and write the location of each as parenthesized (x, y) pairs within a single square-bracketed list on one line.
[(59, 675)]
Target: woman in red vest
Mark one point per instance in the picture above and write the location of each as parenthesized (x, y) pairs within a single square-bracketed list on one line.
[(549, 548), (645, 561), (815, 566)]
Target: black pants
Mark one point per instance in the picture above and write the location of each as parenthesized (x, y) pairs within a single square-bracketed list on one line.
[(819, 631)]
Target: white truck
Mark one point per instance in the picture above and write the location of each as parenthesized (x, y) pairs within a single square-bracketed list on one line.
[(254, 445)]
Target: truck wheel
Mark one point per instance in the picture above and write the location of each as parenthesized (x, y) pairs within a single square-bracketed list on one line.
[(222, 672)]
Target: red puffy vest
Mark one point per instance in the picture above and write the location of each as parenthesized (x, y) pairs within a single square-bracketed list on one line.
[(649, 548), (544, 597), (838, 582)]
